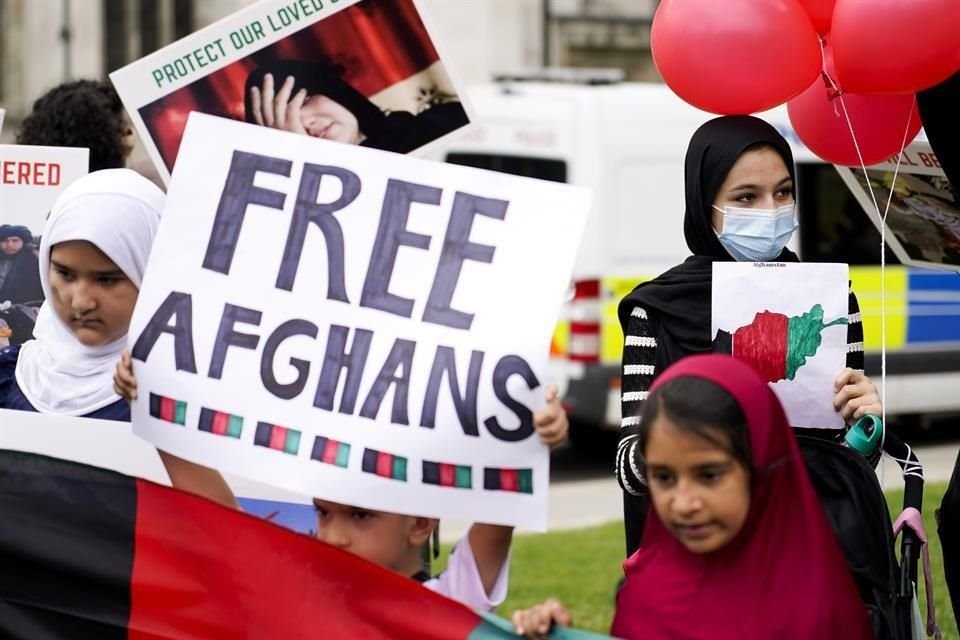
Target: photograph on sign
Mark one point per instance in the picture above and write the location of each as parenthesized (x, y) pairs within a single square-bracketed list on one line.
[(789, 320), (353, 324), (365, 72), (923, 223), (31, 178)]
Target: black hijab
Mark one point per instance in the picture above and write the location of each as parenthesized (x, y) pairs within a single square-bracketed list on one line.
[(939, 106), (678, 302)]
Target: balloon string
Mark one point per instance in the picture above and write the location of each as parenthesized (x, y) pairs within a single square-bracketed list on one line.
[(883, 246)]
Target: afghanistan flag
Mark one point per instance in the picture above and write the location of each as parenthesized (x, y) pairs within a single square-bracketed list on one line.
[(447, 474), (776, 345), (168, 409), (515, 480), (88, 553), (276, 437)]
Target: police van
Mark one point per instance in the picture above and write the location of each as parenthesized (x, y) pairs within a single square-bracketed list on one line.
[(627, 142)]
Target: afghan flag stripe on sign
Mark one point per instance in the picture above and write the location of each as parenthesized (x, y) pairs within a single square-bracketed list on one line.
[(447, 475), (278, 438), (168, 409), (220, 423), (88, 553), (385, 465), (513, 480), (330, 451)]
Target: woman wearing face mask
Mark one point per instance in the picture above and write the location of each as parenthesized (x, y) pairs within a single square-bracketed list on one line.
[(739, 177), (312, 98)]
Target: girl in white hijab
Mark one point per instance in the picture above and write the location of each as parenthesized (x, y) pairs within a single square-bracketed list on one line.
[(93, 255)]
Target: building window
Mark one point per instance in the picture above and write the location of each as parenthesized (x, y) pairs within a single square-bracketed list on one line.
[(135, 28), (115, 34)]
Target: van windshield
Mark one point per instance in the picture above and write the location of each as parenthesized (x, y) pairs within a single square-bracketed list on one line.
[(833, 225)]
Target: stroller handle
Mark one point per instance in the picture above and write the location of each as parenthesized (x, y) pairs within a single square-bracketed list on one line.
[(909, 555)]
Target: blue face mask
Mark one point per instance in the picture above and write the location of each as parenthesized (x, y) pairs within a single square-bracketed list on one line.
[(757, 235)]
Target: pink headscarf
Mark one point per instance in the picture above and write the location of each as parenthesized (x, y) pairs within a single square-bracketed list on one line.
[(782, 577)]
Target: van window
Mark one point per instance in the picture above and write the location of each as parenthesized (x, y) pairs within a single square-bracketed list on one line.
[(529, 167), (833, 225)]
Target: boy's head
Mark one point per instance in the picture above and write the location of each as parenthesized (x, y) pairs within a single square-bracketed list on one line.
[(81, 113), (390, 540)]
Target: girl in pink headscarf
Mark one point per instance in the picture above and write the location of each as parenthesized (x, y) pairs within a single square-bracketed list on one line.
[(737, 544)]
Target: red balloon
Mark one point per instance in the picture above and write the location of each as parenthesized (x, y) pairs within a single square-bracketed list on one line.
[(735, 56), (878, 122), (820, 12), (886, 47)]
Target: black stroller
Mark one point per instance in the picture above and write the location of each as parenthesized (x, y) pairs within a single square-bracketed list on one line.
[(857, 510)]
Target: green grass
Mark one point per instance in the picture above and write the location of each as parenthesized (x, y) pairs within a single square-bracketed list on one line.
[(581, 568)]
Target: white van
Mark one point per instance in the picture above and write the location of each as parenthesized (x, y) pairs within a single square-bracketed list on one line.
[(627, 142)]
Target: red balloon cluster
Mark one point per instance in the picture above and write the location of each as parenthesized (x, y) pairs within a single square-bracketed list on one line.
[(882, 124), (744, 56)]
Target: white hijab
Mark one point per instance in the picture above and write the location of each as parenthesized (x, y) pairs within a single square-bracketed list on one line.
[(118, 211)]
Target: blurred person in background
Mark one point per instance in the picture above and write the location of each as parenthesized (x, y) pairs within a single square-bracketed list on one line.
[(81, 113)]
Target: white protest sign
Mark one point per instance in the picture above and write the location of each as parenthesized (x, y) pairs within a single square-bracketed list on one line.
[(372, 71), (31, 178), (353, 324), (789, 321), (3, 113)]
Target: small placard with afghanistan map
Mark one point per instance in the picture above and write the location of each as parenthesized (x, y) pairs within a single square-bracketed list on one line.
[(789, 321)]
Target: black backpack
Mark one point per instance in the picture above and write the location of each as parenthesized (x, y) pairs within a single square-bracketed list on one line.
[(857, 511)]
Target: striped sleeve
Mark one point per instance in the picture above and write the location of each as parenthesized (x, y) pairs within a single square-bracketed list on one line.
[(900, 451), (892, 445), (639, 358), (854, 334)]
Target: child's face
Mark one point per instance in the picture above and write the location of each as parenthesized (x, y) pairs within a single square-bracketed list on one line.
[(700, 491), (89, 293), (390, 540)]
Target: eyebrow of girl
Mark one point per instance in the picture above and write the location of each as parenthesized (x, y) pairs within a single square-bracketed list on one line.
[(714, 466), (753, 187), (111, 272), (60, 266)]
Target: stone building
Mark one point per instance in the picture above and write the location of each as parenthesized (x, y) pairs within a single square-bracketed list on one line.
[(43, 42)]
